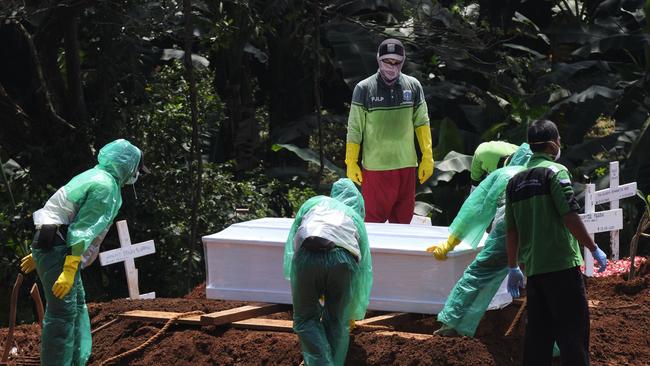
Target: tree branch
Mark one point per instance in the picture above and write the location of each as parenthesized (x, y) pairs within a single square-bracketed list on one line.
[(18, 110), (43, 90)]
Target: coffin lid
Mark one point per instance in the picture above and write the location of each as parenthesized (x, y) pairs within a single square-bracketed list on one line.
[(384, 238)]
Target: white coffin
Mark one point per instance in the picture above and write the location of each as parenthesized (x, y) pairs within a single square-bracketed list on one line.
[(244, 262)]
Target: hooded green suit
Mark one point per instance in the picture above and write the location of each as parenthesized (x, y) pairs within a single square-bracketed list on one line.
[(470, 297), (342, 275), (87, 204)]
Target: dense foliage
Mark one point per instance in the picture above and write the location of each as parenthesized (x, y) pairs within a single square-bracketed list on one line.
[(274, 81)]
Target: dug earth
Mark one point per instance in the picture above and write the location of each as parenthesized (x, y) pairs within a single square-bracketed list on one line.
[(620, 317)]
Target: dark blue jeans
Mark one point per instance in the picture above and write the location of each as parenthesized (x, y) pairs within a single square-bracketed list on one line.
[(557, 312)]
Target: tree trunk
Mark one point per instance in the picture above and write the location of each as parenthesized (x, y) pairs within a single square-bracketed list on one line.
[(498, 13), (239, 134), (290, 80), (646, 30), (76, 102), (196, 164), (317, 97)]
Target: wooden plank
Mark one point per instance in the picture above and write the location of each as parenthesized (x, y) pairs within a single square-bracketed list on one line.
[(418, 336), (370, 328), (241, 313), (217, 318), (391, 318), (270, 325), (278, 325), (273, 325), (160, 316)]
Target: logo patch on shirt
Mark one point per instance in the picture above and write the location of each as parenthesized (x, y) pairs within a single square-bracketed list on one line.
[(376, 99), (407, 95)]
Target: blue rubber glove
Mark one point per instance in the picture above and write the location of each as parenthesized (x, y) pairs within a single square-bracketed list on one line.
[(600, 256), (515, 281)]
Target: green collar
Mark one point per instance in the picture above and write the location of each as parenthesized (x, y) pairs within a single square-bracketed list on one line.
[(542, 155)]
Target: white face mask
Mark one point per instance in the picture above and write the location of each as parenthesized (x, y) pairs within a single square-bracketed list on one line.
[(559, 151), (133, 178)]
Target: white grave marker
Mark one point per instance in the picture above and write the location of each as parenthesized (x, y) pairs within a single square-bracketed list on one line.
[(613, 204), (613, 194), (420, 220), (126, 254), (598, 222), (590, 207), (611, 220)]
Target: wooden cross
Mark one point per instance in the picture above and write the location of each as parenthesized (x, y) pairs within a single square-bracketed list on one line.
[(610, 220), (126, 254)]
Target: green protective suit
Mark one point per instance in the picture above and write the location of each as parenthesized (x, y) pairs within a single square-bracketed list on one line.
[(87, 204), (470, 297), (342, 275), (488, 157)]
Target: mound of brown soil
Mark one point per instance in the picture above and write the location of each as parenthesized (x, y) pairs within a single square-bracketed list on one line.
[(373, 349), (619, 319), (197, 293)]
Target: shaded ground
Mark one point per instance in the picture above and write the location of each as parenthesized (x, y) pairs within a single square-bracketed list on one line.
[(620, 317)]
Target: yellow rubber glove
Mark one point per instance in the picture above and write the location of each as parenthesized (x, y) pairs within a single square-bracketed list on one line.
[(353, 324), (440, 250), (27, 264), (64, 283), (351, 160), (425, 171)]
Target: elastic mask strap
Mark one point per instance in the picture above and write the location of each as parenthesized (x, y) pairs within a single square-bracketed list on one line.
[(544, 142)]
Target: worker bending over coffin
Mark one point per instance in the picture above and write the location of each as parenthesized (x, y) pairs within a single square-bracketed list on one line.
[(470, 297), (69, 230), (327, 255), (488, 157)]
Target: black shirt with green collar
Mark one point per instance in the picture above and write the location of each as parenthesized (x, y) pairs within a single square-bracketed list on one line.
[(536, 201)]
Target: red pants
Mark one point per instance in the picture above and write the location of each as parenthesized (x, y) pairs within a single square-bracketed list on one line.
[(389, 195)]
